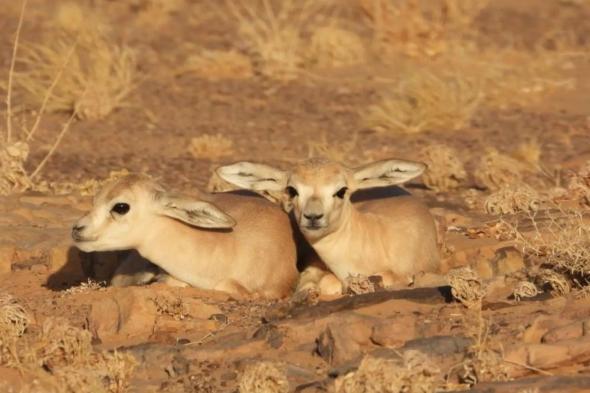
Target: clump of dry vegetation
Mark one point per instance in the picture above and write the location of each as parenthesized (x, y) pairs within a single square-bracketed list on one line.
[(358, 284), (513, 199), (421, 28), (83, 70), (525, 289), (211, 147), (332, 46), (263, 377), (466, 286), (496, 170), (86, 286), (424, 100), (172, 306), (218, 65), (58, 354), (413, 372), (445, 170)]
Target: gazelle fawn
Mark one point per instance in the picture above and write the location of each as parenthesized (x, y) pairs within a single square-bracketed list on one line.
[(394, 237), (238, 244)]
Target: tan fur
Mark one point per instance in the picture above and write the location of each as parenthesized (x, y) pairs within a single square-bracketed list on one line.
[(391, 236), (256, 256)]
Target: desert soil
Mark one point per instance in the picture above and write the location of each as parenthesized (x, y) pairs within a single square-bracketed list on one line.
[(186, 339)]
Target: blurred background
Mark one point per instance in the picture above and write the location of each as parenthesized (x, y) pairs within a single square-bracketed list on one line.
[(176, 87)]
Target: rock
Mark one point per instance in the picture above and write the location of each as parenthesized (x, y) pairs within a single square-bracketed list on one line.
[(345, 338), (395, 332), (127, 317), (7, 252), (540, 326), (567, 332)]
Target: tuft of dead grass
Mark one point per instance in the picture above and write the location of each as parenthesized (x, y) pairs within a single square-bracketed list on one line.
[(218, 65), (332, 46), (87, 286), (425, 100), (559, 238), (524, 289), (272, 32), (496, 170), (211, 147), (466, 287), (421, 28), (263, 377), (13, 176), (62, 357), (445, 170), (513, 199), (557, 282), (172, 306), (94, 82), (413, 372), (14, 320)]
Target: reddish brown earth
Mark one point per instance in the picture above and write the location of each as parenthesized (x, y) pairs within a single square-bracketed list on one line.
[(204, 340)]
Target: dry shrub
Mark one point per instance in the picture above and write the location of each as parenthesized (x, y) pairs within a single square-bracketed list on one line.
[(218, 65), (273, 33), (263, 377), (524, 289), (171, 305), (62, 357), (87, 286), (86, 188), (529, 152), (421, 28), (13, 318), (95, 76), (347, 152), (13, 176), (332, 46), (211, 147), (466, 287), (496, 170), (559, 285), (578, 185), (513, 199), (445, 170), (560, 238), (424, 100), (413, 372)]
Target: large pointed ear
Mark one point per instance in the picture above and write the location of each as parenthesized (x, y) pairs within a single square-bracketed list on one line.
[(387, 173), (196, 213), (254, 177)]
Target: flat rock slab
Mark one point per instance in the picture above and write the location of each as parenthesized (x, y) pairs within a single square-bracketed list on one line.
[(550, 384)]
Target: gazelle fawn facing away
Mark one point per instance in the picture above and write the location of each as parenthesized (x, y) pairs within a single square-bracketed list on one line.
[(238, 244), (394, 237)]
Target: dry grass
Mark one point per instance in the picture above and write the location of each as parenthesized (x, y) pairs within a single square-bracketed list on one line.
[(347, 152), (263, 377), (272, 33), (558, 283), (513, 199), (87, 286), (559, 238), (172, 306), (496, 170), (211, 147), (445, 170), (421, 28), (332, 47), (218, 65), (59, 355), (425, 101), (466, 287), (413, 372), (524, 289), (95, 78)]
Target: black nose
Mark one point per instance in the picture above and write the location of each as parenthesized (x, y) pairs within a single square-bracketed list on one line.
[(76, 229), (313, 217)]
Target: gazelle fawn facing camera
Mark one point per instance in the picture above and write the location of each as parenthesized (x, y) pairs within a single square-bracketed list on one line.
[(392, 236), (237, 244)]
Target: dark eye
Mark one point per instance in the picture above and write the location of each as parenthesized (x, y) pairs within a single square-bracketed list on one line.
[(120, 208), (292, 192), (341, 192)]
